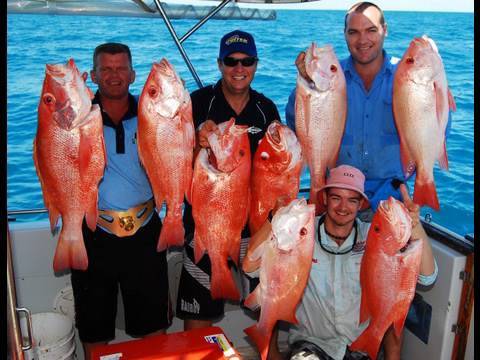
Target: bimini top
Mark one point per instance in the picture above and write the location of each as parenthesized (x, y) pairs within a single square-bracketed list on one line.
[(175, 9)]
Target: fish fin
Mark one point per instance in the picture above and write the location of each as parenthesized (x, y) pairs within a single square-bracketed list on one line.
[(260, 338), (367, 342), (253, 299), (222, 285), (85, 151), (172, 233), (92, 213), (188, 183), (398, 325), (252, 260), (70, 251), (407, 160), (424, 193), (53, 216), (364, 310), (451, 101), (443, 158)]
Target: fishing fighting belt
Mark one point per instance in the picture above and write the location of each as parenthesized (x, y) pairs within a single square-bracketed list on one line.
[(125, 223)]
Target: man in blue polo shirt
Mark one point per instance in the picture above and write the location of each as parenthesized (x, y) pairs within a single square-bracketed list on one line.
[(370, 141), (122, 249)]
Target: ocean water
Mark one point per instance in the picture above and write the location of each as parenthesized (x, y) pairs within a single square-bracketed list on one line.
[(34, 40)]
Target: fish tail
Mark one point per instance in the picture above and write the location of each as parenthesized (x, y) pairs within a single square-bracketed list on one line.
[(260, 338), (222, 284), (172, 233), (425, 194), (70, 252), (314, 199), (367, 342)]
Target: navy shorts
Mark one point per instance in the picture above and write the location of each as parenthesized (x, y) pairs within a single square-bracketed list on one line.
[(133, 264), (194, 300)]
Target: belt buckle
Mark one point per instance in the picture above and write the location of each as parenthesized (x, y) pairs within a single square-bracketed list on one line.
[(127, 223)]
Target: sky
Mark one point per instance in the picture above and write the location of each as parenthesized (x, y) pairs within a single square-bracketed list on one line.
[(402, 5)]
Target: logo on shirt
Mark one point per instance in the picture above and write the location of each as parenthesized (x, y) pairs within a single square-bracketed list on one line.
[(359, 247)]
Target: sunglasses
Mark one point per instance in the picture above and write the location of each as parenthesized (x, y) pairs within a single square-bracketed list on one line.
[(247, 62)]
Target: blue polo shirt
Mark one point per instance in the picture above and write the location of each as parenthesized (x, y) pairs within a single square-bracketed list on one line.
[(125, 183), (370, 141)]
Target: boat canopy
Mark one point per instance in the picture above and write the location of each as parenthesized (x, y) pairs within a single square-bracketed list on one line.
[(196, 9)]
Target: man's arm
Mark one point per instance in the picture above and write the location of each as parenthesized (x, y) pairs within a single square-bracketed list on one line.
[(428, 266)]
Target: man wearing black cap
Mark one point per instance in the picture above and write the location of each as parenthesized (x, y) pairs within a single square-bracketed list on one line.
[(230, 97)]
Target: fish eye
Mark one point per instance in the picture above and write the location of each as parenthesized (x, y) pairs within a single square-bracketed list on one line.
[(241, 152), (152, 91), (410, 60), (376, 228), (303, 231), (333, 68), (48, 99), (264, 156)]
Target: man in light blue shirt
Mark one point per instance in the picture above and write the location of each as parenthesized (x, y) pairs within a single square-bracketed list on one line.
[(370, 141)]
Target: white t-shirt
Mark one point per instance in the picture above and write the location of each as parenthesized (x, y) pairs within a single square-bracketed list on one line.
[(329, 311)]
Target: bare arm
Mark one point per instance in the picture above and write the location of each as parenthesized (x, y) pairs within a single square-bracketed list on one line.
[(427, 265)]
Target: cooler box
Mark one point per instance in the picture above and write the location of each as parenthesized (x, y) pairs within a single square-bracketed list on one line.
[(207, 344)]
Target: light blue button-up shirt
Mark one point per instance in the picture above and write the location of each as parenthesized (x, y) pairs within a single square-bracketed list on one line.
[(370, 141), (125, 183)]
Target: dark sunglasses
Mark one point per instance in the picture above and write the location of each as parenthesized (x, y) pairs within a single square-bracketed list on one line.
[(247, 62)]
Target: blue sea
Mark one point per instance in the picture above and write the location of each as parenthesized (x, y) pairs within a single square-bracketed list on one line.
[(34, 40)]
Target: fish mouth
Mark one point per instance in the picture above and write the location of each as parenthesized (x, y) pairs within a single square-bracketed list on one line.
[(410, 247), (398, 220)]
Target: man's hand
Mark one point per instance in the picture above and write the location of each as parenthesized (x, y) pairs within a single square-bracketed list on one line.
[(413, 209), (300, 64), (206, 129)]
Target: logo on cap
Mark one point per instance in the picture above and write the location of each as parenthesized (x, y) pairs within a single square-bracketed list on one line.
[(235, 39)]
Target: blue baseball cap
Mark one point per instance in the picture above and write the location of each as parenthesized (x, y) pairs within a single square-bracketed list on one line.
[(237, 41)]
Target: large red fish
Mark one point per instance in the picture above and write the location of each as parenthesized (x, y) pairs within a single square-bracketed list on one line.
[(286, 259), (69, 156), (166, 138), (421, 102), (320, 115), (388, 274), (220, 203), (276, 168)]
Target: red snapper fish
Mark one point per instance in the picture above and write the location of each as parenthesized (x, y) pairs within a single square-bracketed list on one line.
[(69, 156), (276, 168), (166, 138), (220, 203), (388, 274), (286, 259), (421, 102), (320, 115)]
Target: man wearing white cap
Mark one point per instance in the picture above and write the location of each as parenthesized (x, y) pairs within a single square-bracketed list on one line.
[(328, 317)]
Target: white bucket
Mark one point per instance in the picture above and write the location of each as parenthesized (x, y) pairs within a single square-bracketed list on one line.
[(53, 336)]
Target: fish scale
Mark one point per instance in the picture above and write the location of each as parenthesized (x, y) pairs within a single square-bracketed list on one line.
[(165, 146), (320, 115), (421, 103), (220, 204), (69, 157)]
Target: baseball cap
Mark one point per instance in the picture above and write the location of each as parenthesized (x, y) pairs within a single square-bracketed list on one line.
[(347, 177), (237, 41)]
